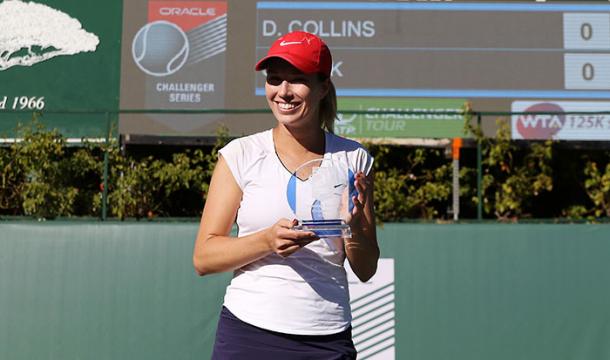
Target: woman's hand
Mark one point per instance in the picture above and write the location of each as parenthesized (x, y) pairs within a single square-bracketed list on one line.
[(361, 249), (284, 241), (362, 186)]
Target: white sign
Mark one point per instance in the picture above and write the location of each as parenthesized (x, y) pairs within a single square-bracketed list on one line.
[(373, 312)]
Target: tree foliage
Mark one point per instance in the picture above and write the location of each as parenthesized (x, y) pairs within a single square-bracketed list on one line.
[(406, 186), (513, 177), (43, 177)]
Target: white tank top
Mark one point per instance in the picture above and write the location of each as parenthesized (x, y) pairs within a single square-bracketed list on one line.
[(307, 292)]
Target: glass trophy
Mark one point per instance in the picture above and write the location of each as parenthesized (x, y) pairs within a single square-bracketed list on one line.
[(319, 193)]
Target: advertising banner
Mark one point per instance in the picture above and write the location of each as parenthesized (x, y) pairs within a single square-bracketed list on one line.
[(173, 59), (430, 118), (558, 126)]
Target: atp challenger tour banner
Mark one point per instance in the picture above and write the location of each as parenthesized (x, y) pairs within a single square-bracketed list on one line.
[(152, 59)]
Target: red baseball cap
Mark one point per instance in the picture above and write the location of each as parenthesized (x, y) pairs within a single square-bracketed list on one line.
[(303, 50)]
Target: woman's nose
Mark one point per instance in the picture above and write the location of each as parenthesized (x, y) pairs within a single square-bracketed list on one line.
[(284, 89)]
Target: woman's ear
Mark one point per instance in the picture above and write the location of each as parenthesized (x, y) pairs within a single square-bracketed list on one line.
[(325, 87)]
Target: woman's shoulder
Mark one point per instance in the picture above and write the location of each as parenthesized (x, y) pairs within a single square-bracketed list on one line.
[(254, 143), (242, 153), (357, 155), (340, 143)]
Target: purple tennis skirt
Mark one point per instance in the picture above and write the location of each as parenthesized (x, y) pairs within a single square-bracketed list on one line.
[(237, 340)]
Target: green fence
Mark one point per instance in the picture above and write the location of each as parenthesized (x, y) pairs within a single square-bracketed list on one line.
[(481, 291)]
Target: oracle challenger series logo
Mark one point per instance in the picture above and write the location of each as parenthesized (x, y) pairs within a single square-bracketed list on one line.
[(179, 33)]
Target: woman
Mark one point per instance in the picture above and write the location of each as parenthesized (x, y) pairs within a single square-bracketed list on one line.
[(289, 296)]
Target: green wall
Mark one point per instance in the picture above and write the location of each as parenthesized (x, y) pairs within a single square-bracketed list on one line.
[(73, 290)]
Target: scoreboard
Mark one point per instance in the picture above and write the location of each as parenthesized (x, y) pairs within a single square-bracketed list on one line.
[(449, 50), (496, 54)]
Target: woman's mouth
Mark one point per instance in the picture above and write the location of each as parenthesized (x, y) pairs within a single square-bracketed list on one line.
[(287, 106)]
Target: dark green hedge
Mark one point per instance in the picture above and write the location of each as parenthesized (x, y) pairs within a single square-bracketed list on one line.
[(41, 176)]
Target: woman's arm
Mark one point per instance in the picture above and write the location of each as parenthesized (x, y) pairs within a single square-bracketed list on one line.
[(215, 251), (362, 250)]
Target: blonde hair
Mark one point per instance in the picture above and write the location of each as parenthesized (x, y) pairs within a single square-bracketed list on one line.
[(328, 109)]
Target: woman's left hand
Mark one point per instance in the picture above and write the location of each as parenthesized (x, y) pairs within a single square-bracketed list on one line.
[(362, 186), (361, 249)]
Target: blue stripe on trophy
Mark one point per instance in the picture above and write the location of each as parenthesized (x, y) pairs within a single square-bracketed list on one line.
[(322, 222), (328, 233)]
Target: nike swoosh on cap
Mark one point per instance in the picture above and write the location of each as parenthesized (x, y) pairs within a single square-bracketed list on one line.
[(285, 43)]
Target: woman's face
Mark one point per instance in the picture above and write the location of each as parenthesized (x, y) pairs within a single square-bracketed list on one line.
[(293, 96)]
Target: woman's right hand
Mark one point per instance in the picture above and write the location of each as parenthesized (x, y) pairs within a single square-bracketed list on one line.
[(285, 241)]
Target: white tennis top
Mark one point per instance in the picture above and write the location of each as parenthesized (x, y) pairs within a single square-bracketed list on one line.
[(307, 292)]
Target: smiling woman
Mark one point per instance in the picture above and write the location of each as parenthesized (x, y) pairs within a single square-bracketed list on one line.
[(293, 96), (289, 295), (305, 58)]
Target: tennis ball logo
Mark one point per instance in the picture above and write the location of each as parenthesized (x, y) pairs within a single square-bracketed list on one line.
[(542, 126), (160, 48)]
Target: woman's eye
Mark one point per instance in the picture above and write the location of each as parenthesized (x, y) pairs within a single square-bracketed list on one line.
[(278, 80), (298, 81), (274, 80)]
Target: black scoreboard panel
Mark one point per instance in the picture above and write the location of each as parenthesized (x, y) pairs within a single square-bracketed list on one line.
[(498, 55), (453, 49)]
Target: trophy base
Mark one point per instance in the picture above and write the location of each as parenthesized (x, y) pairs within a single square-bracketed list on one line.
[(325, 228)]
